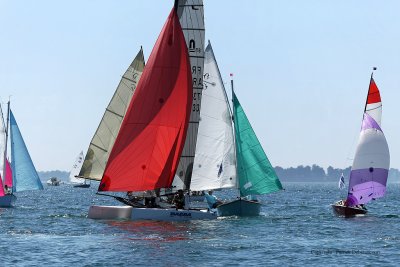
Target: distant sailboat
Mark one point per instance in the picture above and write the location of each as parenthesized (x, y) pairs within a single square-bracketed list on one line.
[(78, 182), (255, 174), (152, 136), (24, 175), (7, 198), (103, 140), (370, 168), (341, 182)]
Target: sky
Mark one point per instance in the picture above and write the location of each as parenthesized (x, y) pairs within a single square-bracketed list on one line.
[(301, 70)]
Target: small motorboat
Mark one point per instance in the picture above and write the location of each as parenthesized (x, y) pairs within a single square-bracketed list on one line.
[(53, 181), (343, 210)]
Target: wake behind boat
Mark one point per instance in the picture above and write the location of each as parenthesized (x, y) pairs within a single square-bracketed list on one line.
[(369, 173)]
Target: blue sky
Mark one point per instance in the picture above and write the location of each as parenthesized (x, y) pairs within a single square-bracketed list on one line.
[(301, 69)]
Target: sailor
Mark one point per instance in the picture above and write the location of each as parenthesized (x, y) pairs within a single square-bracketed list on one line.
[(179, 199), (212, 200), (7, 190)]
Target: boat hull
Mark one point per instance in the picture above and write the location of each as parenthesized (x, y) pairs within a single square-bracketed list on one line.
[(341, 210), (82, 185), (7, 200), (131, 213), (239, 207)]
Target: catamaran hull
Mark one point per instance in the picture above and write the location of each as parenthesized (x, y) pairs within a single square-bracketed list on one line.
[(239, 207), (347, 211), (7, 200), (130, 213)]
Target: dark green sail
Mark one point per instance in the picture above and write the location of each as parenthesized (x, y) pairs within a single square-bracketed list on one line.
[(255, 174)]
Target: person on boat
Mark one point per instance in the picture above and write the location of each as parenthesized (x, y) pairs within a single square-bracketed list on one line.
[(179, 199), (212, 200), (7, 190)]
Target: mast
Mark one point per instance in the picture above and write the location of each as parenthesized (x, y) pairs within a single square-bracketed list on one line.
[(234, 140)]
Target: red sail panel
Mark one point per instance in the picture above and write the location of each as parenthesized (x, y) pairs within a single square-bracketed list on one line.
[(148, 146), (8, 176), (373, 93)]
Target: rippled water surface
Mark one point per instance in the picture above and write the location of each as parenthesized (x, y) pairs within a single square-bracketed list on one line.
[(297, 227)]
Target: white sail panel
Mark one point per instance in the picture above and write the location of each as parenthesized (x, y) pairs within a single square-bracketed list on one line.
[(372, 151), (214, 163), (76, 168), (375, 111), (191, 17), (103, 140)]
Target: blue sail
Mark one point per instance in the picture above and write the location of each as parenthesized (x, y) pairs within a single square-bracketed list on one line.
[(25, 176)]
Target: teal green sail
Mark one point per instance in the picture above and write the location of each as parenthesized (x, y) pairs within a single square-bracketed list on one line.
[(255, 173), (24, 173)]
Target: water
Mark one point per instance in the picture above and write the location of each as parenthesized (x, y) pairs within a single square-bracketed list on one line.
[(297, 227)]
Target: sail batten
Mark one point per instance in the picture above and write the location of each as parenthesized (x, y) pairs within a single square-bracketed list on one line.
[(148, 146), (104, 137), (24, 174)]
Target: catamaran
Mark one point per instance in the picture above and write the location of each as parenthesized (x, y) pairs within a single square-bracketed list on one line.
[(370, 168), (21, 175), (155, 130)]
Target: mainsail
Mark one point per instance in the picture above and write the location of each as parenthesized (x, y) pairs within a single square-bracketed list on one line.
[(254, 171), (370, 168), (214, 163), (148, 146), (191, 16), (24, 173), (103, 140), (75, 169)]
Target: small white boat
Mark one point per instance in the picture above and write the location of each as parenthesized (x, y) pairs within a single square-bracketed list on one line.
[(53, 181)]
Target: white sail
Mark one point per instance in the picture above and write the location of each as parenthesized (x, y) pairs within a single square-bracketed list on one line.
[(103, 140), (191, 17), (214, 163), (76, 168)]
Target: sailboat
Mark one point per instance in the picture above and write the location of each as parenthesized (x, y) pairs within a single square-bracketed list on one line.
[(254, 173), (78, 182), (24, 174), (149, 145), (370, 168), (7, 199), (222, 149)]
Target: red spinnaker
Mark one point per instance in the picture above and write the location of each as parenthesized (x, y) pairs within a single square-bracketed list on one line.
[(148, 146), (8, 176), (373, 93)]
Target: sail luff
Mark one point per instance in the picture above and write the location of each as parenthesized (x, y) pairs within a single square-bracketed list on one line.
[(214, 162), (255, 173), (148, 146), (25, 176), (104, 137), (191, 16)]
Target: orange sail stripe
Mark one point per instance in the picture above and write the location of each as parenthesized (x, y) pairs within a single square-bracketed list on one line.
[(147, 149), (373, 93)]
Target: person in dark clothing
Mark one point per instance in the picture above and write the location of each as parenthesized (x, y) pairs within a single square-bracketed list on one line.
[(179, 199)]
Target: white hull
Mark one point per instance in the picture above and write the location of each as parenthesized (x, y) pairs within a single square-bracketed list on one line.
[(7, 200), (130, 213)]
